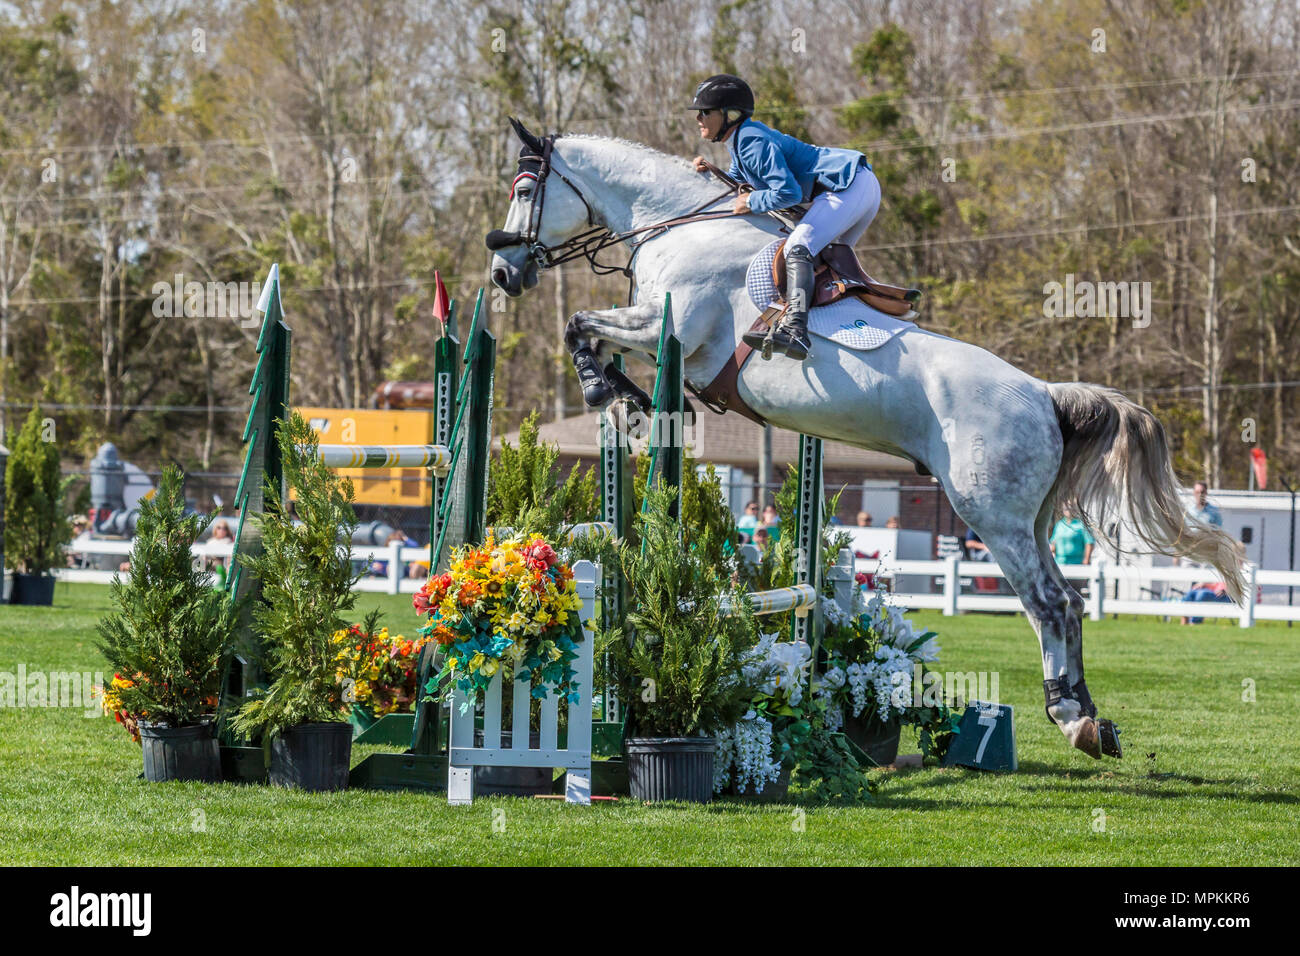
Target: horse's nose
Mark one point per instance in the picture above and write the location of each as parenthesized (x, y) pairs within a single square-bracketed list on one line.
[(499, 277)]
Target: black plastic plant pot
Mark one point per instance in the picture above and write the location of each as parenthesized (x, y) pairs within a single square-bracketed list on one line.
[(879, 739), (512, 781), (312, 757), (180, 753), (670, 768), (33, 590)]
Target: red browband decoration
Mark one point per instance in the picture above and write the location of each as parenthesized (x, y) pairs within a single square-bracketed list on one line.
[(515, 181)]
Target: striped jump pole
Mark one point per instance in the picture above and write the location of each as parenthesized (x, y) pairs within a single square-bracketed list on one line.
[(435, 457)]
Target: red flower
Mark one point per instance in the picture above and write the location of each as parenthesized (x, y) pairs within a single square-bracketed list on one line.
[(540, 555), (421, 600), (861, 577)]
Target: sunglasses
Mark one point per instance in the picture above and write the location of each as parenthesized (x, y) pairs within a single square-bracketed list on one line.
[(703, 113)]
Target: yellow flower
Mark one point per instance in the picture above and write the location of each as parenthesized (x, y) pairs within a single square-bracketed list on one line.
[(490, 666), (476, 662)]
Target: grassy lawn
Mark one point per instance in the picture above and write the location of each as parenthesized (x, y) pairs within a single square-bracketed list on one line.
[(1206, 779)]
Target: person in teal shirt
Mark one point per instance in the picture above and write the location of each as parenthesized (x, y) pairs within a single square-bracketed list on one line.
[(1071, 542)]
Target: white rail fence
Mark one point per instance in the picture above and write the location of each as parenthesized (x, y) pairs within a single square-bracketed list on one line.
[(945, 578), (949, 597)]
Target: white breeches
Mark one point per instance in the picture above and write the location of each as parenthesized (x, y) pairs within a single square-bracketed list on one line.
[(842, 216)]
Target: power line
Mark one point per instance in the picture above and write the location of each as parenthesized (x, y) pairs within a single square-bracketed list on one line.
[(580, 270), (299, 139)]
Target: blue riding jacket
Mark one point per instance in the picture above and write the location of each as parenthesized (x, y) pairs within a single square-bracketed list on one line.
[(784, 170)]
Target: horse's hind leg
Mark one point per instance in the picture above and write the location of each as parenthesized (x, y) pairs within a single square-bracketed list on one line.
[(1107, 734), (1055, 612)]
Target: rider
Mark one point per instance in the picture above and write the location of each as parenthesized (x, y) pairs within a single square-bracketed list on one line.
[(784, 171)]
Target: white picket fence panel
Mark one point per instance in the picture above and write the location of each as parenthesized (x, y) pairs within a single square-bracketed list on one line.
[(463, 754)]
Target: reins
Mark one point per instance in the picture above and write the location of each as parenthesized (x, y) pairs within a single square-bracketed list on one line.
[(589, 244)]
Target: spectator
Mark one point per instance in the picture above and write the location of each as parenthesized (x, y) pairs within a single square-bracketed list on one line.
[(80, 525), (761, 539), (1206, 591), (893, 522), (772, 523), (379, 569), (864, 519), (749, 520), (1203, 509), (1071, 543), (977, 550), (221, 535)]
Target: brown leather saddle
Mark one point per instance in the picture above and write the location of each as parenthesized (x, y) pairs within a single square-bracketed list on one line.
[(837, 275)]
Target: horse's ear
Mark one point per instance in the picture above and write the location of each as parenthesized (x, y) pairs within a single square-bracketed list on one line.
[(528, 139)]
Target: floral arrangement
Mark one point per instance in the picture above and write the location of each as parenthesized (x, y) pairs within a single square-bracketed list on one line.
[(111, 701), (872, 653), (746, 756), (384, 665), (510, 605)]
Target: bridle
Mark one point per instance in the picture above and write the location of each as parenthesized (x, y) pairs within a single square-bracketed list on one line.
[(591, 242)]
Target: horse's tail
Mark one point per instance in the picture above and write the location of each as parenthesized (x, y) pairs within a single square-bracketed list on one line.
[(1116, 465)]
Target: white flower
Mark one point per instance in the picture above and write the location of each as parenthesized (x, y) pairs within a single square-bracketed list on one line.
[(834, 614), (779, 668), (746, 749)]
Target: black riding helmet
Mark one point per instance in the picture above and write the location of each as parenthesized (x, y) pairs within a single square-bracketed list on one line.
[(724, 92)]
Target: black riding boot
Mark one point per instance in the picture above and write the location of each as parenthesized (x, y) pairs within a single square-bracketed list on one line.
[(792, 335)]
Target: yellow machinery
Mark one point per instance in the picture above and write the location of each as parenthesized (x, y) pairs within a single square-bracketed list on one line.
[(364, 426)]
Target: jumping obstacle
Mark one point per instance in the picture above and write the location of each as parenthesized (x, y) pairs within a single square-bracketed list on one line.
[(668, 411), (457, 461)]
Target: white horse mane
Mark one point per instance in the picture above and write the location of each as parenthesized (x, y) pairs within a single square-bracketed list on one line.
[(633, 180)]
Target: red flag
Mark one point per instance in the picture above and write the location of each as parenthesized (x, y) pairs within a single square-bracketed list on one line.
[(441, 301), (1259, 461)]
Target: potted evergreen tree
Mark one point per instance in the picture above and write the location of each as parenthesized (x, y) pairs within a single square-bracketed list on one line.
[(307, 579), (678, 659), (35, 525), (168, 641)]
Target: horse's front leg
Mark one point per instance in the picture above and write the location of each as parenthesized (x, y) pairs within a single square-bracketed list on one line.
[(593, 334)]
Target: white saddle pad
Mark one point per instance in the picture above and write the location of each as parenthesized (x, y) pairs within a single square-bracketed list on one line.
[(849, 322)]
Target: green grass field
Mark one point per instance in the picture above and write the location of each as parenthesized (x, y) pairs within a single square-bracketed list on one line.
[(1207, 778)]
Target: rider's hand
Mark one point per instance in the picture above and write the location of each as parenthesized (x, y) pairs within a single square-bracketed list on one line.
[(741, 205), (700, 164)]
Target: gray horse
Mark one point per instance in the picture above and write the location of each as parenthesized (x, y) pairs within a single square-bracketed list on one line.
[(1008, 448)]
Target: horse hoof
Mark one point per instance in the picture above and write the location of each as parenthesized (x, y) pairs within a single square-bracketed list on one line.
[(1086, 738), (1108, 735)]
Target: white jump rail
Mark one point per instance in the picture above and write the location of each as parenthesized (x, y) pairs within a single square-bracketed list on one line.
[(463, 755)]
